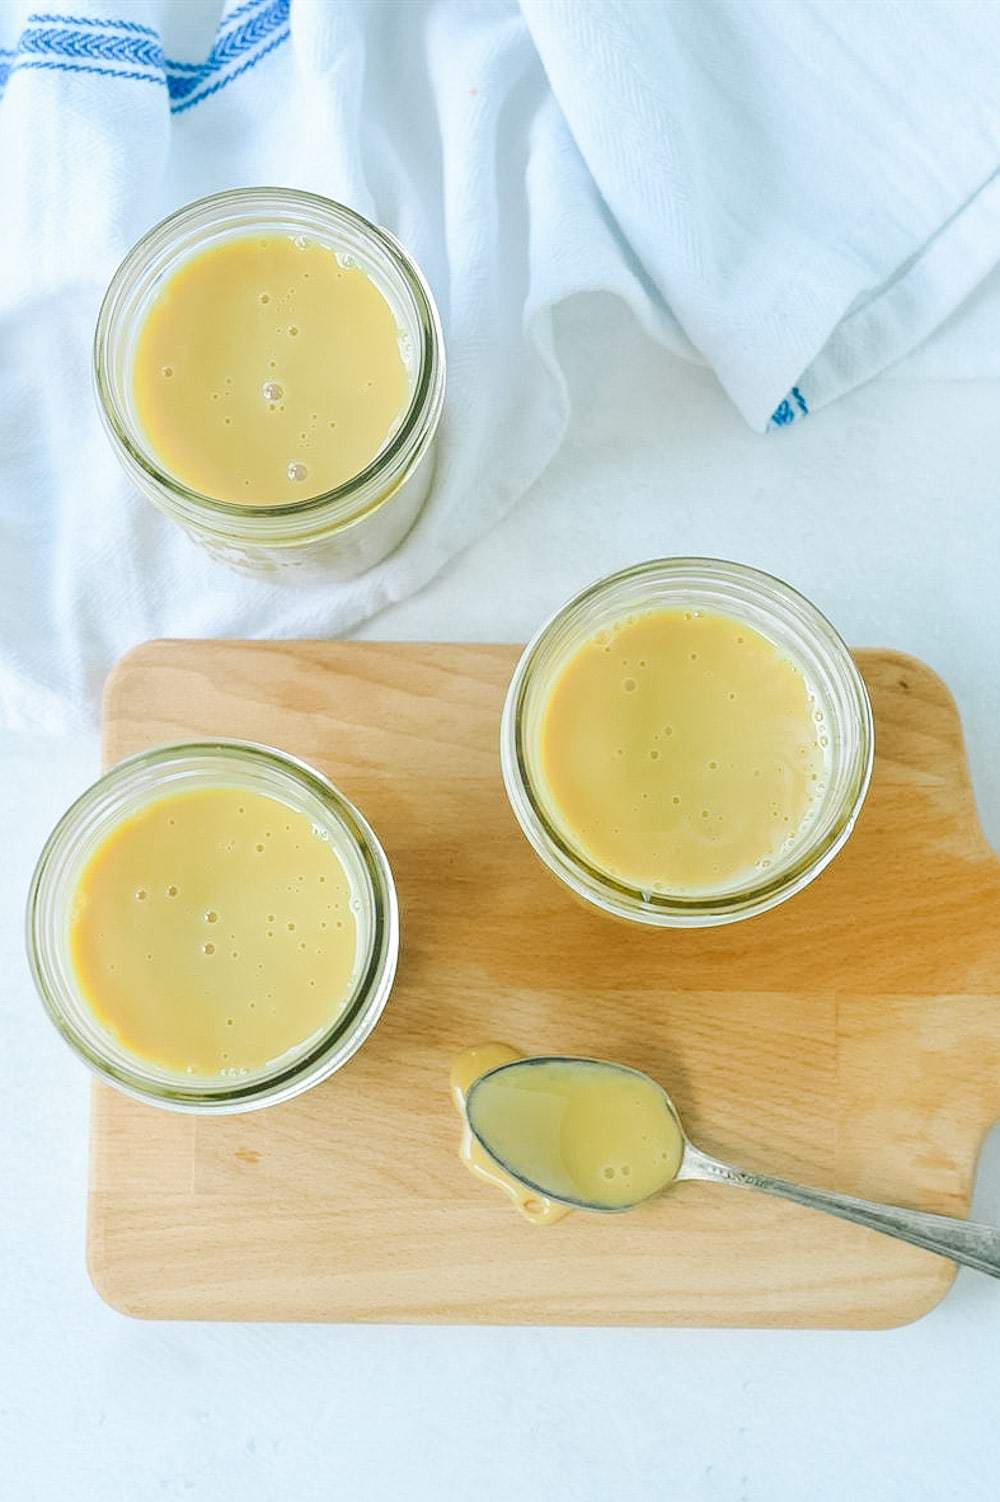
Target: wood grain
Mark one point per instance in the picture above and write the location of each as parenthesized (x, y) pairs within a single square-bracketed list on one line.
[(850, 1038)]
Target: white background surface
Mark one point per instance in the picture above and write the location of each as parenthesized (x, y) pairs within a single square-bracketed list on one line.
[(883, 509)]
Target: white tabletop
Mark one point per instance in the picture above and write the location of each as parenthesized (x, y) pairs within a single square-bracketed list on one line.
[(884, 510)]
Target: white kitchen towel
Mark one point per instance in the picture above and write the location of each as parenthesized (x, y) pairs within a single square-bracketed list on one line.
[(794, 191)]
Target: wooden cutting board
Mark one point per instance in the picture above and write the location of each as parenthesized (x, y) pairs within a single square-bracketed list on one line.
[(850, 1038)]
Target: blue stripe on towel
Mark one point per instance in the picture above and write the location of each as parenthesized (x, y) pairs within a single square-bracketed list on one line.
[(69, 44), (128, 50), (786, 413), (258, 35)]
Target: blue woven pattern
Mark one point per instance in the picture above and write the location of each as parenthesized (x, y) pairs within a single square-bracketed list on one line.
[(125, 49), (258, 35), (69, 44), (786, 413)]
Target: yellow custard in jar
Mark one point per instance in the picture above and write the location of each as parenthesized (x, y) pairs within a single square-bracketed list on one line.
[(269, 370), (213, 932), (678, 751)]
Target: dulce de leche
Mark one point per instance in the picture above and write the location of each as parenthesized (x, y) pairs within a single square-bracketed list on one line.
[(679, 750)]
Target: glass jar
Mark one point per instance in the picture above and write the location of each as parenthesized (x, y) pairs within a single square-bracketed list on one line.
[(837, 699), (341, 532), (148, 778)]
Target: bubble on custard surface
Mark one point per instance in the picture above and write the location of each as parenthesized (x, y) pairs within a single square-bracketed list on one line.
[(297, 472), (167, 371), (272, 391)]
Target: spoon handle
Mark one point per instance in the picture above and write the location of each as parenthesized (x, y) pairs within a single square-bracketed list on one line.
[(963, 1241)]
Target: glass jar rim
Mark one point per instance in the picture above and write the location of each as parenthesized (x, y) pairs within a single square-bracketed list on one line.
[(341, 503), (622, 589), (309, 1064)]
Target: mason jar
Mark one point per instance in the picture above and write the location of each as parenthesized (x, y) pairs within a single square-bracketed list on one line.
[(337, 533), (835, 705), (153, 779)]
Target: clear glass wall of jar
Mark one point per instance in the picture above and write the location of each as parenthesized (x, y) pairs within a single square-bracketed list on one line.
[(145, 779), (334, 535), (782, 617)]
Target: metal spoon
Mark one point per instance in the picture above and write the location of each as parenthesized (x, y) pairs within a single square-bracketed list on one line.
[(962, 1241)]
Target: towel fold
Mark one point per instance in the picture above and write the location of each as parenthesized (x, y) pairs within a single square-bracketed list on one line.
[(795, 193)]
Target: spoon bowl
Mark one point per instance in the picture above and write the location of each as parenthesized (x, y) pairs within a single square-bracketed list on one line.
[(599, 1136)]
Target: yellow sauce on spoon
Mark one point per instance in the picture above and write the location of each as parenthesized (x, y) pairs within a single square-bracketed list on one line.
[(561, 1129), (577, 1130)]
